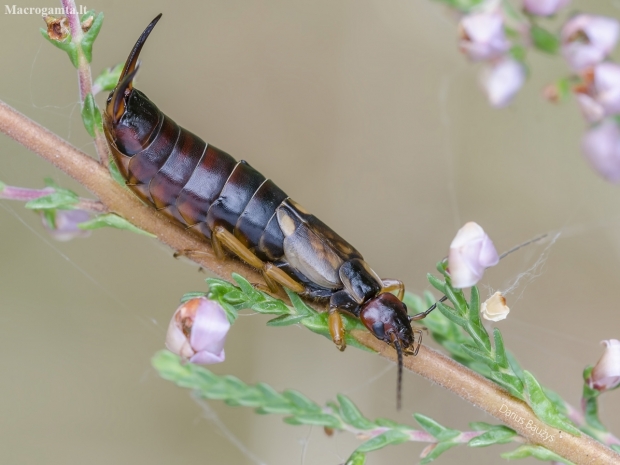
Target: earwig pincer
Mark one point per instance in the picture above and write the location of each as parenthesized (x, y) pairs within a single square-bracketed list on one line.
[(244, 214)]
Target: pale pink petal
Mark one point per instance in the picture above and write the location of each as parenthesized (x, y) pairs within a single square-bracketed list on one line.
[(601, 147), (606, 373), (471, 252), (483, 36), (588, 39), (544, 7), (66, 224), (607, 85), (591, 110), (198, 331), (502, 80)]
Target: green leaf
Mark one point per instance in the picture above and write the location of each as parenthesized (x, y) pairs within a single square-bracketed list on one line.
[(115, 172), (285, 320), (62, 199), (91, 34), (113, 221), (300, 401), (192, 295), (497, 434), (438, 431), (479, 355), (615, 447), (538, 452), (108, 78), (318, 419), (385, 439), (356, 458), (545, 409), (273, 307), (91, 116), (247, 288), (500, 353), (439, 449), (450, 313), (300, 305), (544, 40), (66, 45), (518, 52), (352, 415), (2, 186), (436, 283), (509, 382)]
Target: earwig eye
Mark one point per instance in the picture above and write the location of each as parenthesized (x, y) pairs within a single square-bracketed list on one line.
[(378, 330)]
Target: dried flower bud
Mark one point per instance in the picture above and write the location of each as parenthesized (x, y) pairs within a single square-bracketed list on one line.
[(482, 36), (544, 7), (502, 80), (599, 93), (495, 308), (601, 147), (587, 40), (63, 224), (471, 252), (87, 23), (57, 28), (197, 331), (606, 372)]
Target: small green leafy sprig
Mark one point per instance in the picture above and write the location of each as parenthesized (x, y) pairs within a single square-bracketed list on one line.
[(52, 198), (342, 415), (492, 361), (592, 424), (246, 296)]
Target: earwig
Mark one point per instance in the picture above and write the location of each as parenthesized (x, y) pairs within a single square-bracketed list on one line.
[(244, 214)]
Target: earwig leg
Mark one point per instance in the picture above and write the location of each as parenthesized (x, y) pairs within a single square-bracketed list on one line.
[(273, 275), (280, 277), (390, 285), (336, 328)]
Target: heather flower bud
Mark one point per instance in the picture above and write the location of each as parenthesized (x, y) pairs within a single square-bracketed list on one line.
[(502, 80), (599, 95), (471, 252), (587, 40), (606, 372), (197, 331), (601, 147), (544, 7), (63, 224), (482, 36), (495, 308)]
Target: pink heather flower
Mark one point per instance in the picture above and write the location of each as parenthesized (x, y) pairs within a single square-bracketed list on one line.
[(471, 252), (601, 147), (606, 372), (65, 226), (544, 7), (502, 80), (482, 36), (494, 308), (599, 96), (587, 40), (197, 331)]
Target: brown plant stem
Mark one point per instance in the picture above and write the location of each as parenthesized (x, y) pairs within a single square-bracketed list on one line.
[(495, 401), (428, 363)]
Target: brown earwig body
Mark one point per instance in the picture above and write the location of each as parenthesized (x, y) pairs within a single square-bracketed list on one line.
[(245, 214)]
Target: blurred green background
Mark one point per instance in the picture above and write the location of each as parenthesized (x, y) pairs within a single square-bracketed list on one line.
[(364, 112)]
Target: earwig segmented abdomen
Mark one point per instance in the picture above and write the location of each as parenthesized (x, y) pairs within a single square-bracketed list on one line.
[(203, 187)]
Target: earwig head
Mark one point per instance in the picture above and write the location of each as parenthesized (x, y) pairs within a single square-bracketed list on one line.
[(130, 117), (386, 317)]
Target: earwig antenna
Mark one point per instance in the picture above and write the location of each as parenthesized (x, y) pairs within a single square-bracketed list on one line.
[(423, 314), (399, 383)]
